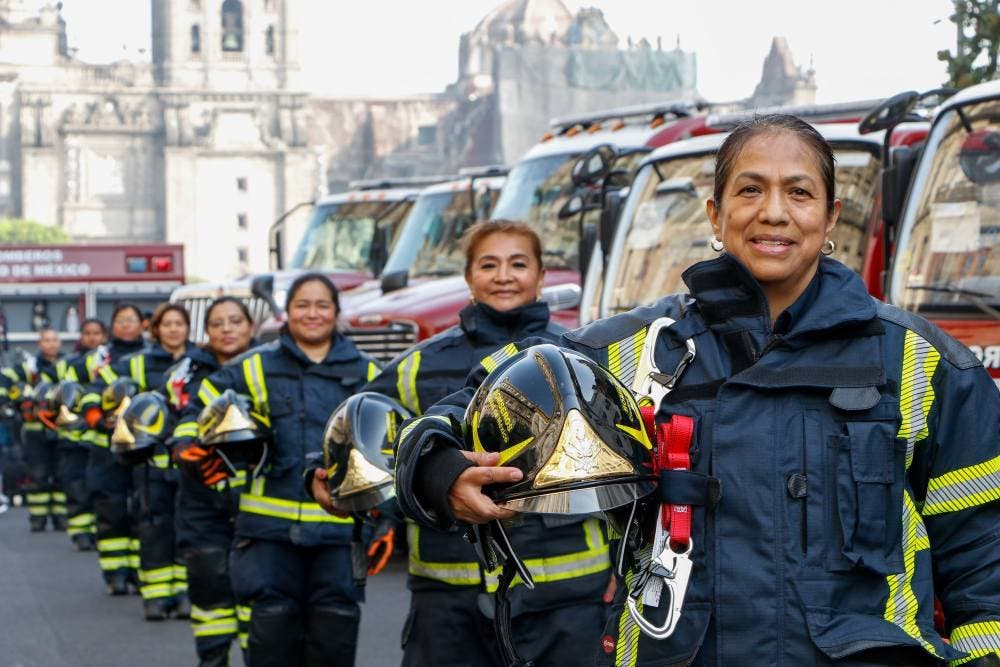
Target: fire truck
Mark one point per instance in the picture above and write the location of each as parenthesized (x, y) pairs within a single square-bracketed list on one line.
[(61, 285), (537, 190), (348, 237), (946, 265)]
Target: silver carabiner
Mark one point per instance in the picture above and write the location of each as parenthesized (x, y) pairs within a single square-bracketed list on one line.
[(673, 568), (649, 381)]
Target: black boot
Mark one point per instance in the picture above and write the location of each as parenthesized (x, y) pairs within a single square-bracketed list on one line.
[(156, 609), (217, 658), (84, 542), (58, 522), (331, 636), (117, 583), (37, 523), (182, 606), (275, 637)]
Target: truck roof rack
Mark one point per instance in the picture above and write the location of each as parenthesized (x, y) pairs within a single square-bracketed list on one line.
[(815, 113), (675, 108), (482, 171), (401, 182)]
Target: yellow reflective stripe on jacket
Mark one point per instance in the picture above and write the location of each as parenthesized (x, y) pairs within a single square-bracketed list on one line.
[(107, 374), (963, 488), (498, 357), (916, 395), (549, 569), (161, 461), (207, 392), (976, 639), (409, 427), (255, 501), (186, 430), (137, 369), (406, 385), (95, 438), (456, 574), (901, 605), (10, 374), (253, 373), (373, 370), (627, 644), (623, 356)]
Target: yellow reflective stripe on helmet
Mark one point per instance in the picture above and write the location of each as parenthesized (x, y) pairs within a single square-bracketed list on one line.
[(902, 605), (976, 639), (916, 395), (406, 384), (137, 369), (253, 373), (498, 357), (963, 488), (456, 574), (373, 370), (623, 356), (291, 510)]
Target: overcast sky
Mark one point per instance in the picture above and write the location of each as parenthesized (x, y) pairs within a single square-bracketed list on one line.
[(859, 48)]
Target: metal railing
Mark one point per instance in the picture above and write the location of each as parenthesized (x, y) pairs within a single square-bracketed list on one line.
[(383, 342)]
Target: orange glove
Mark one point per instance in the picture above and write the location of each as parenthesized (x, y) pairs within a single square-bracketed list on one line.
[(381, 547), (200, 463), (93, 416)]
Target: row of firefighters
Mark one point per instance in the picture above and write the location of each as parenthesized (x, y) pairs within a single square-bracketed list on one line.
[(149, 449)]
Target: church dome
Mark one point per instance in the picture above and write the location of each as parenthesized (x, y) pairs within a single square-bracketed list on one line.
[(525, 22)]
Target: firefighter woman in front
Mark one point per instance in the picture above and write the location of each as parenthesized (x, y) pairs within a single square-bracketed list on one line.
[(853, 448)]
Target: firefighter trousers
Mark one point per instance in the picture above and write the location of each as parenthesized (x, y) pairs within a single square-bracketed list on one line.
[(73, 476), (161, 573), (303, 603), (204, 524), (43, 494), (449, 628), (110, 486)]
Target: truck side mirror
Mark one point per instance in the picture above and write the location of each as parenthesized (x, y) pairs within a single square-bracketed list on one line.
[(573, 207), (895, 182), (379, 253), (889, 113), (594, 165), (614, 201), (262, 287), (276, 245), (394, 280)]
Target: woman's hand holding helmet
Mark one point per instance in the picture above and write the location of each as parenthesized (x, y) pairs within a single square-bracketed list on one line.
[(320, 490), (466, 499)]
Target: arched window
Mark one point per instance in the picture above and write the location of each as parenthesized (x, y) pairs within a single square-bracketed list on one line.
[(232, 25), (195, 38)]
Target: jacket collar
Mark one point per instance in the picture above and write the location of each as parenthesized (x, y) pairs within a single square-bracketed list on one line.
[(729, 297), (342, 350), (202, 357), (119, 346), (487, 326)]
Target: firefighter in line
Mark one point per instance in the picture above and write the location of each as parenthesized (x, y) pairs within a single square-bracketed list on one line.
[(854, 447), (45, 498), (80, 520), (291, 561), (162, 576), (108, 480), (560, 620), (205, 514)]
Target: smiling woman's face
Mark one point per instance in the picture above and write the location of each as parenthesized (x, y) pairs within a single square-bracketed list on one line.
[(504, 273), (773, 215)]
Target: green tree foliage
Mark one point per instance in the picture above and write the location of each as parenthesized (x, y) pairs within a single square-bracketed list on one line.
[(15, 231), (975, 57)]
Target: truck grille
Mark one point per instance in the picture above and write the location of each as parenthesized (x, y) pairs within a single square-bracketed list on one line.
[(384, 343), (197, 306)]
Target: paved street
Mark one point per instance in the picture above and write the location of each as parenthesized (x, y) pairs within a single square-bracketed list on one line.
[(54, 612)]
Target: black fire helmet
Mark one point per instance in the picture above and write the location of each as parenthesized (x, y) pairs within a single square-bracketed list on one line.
[(145, 422)]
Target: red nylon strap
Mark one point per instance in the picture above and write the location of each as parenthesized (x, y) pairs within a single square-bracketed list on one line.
[(674, 453)]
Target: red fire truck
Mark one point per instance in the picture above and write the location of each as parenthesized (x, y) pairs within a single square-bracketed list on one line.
[(61, 285)]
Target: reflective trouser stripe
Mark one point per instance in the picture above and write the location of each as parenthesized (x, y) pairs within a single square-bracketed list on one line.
[(456, 574), (627, 645), (213, 622), (81, 523), (243, 625), (154, 591), (38, 503), (180, 580), (406, 383), (976, 639), (133, 556), (156, 583), (964, 488)]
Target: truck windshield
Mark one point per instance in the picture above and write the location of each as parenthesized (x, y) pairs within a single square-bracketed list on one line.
[(339, 236), (428, 244), (667, 230), (948, 258)]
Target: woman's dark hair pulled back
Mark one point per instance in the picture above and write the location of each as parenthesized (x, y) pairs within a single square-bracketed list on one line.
[(737, 140), (228, 299), (123, 306), (313, 277)]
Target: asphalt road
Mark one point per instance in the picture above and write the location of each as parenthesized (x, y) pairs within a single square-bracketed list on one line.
[(54, 611)]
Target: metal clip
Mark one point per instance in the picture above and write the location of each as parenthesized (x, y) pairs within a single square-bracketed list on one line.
[(649, 381), (674, 569)]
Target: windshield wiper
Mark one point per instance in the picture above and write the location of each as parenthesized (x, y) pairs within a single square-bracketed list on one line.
[(975, 298)]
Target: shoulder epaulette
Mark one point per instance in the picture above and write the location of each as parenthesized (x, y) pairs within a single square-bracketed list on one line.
[(951, 350), (603, 333)]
